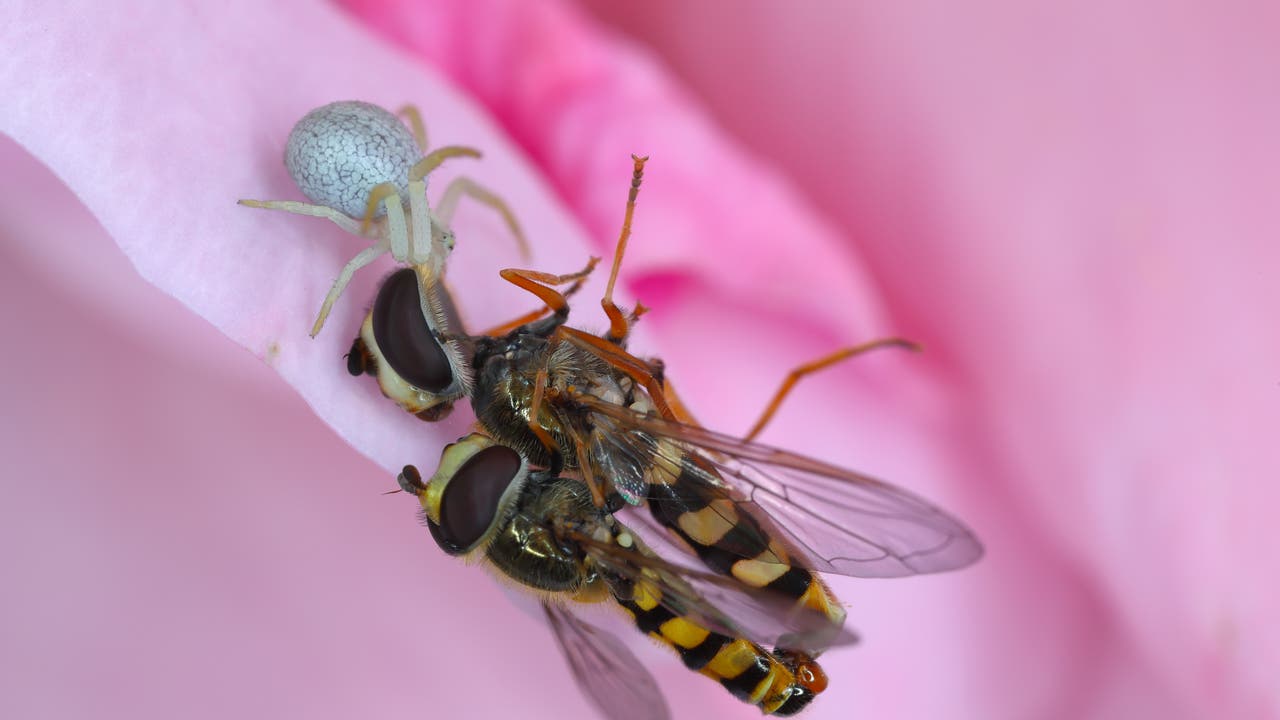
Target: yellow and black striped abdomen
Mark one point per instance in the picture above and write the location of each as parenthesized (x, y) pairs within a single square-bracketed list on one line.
[(748, 671), (730, 541)]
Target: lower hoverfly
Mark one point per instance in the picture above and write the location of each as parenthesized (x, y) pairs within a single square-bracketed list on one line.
[(588, 480)]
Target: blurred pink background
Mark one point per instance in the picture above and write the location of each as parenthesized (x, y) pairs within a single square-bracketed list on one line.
[(1072, 207)]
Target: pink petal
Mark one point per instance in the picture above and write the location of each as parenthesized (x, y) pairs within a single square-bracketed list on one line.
[(163, 118), (550, 77), (1078, 203), (181, 538), (160, 139)]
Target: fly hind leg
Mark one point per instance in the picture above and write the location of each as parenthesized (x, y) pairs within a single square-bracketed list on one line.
[(820, 364)]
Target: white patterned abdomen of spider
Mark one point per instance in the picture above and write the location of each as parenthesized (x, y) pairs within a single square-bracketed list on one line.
[(366, 171), (339, 153)]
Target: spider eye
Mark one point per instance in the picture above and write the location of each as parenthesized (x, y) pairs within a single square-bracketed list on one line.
[(404, 336), (473, 500)]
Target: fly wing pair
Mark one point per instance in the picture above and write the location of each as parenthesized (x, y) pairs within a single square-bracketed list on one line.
[(830, 519)]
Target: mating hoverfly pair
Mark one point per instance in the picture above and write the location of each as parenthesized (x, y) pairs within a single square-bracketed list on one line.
[(586, 478)]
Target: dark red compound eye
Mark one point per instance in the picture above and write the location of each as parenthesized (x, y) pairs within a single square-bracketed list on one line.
[(406, 341), (469, 506)]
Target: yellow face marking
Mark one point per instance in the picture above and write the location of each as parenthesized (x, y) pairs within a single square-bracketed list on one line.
[(758, 573), (711, 523), (455, 455), (683, 633), (624, 540)]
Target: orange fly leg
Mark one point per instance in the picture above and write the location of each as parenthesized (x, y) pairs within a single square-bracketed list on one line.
[(821, 363), (588, 478), (619, 322), (543, 284), (681, 411), (532, 315), (632, 366), (535, 410)]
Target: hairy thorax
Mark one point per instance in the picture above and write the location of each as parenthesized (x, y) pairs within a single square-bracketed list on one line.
[(507, 373)]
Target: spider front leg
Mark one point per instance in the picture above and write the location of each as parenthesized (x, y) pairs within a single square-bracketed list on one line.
[(364, 257), (392, 237), (414, 117), (427, 246), (465, 186), (300, 208)]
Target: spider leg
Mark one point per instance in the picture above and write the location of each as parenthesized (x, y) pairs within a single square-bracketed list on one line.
[(364, 257), (465, 186), (388, 196), (411, 114), (433, 159), (422, 248), (298, 208)]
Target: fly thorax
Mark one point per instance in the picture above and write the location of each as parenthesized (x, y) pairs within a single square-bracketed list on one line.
[(534, 548)]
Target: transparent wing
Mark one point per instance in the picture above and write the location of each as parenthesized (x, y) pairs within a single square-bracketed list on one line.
[(607, 672), (839, 521), (718, 603)]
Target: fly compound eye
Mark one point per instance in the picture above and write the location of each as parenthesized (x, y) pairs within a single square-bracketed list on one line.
[(471, 505), (404, 336), (473, 492)]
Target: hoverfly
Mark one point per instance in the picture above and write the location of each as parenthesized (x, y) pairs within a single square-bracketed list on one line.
[(609, 438), (588, 480)]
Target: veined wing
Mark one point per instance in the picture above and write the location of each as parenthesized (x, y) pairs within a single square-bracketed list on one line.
[(717, 603), (608, 673), (839, 521)]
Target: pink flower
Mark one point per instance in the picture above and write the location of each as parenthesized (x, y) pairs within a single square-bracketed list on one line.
[(1075, 236)]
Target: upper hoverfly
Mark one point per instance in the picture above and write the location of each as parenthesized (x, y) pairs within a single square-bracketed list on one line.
[(587, 479)]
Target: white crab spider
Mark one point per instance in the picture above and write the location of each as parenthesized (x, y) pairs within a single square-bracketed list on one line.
[(360, 166)]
